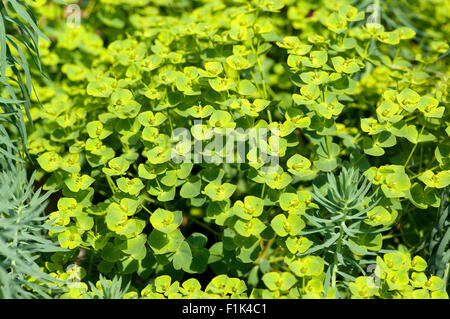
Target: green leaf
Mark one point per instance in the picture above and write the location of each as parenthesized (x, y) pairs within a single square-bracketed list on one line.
[(135, 247), (292, 225), (276, 281), (220, 192), (367, 242), (307, 266), (117, 166), (49, 161), (162, 243), (246, 87), (166, 221), (130, 186), (191, 188), (251, 207), (183, 256), (250, 227), (378, 216)]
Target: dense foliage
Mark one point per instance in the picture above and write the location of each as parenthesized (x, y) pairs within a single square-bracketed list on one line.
[(356, 104)]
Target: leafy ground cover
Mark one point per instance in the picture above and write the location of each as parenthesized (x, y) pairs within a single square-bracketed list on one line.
[(352, 94)]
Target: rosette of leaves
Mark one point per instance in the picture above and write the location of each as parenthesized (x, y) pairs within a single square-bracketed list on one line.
[(108, 289), (23, 231)]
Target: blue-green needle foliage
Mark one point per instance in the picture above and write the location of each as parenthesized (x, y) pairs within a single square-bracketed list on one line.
[(108, 289), (22, 229), (346, 193), (439, 242), (351, 212)]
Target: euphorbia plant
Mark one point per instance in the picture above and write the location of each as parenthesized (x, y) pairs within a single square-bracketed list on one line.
[(356, 116)]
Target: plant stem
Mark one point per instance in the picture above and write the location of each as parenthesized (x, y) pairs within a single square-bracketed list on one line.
[(269, 115), (273, 260), (264, 252), (415, 146), (91, 261), (447, 269), (261, 70), (170, 121), (111, 184), (148, 211), (204, 225), (333, 276), (327, 138), (338, 251)]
